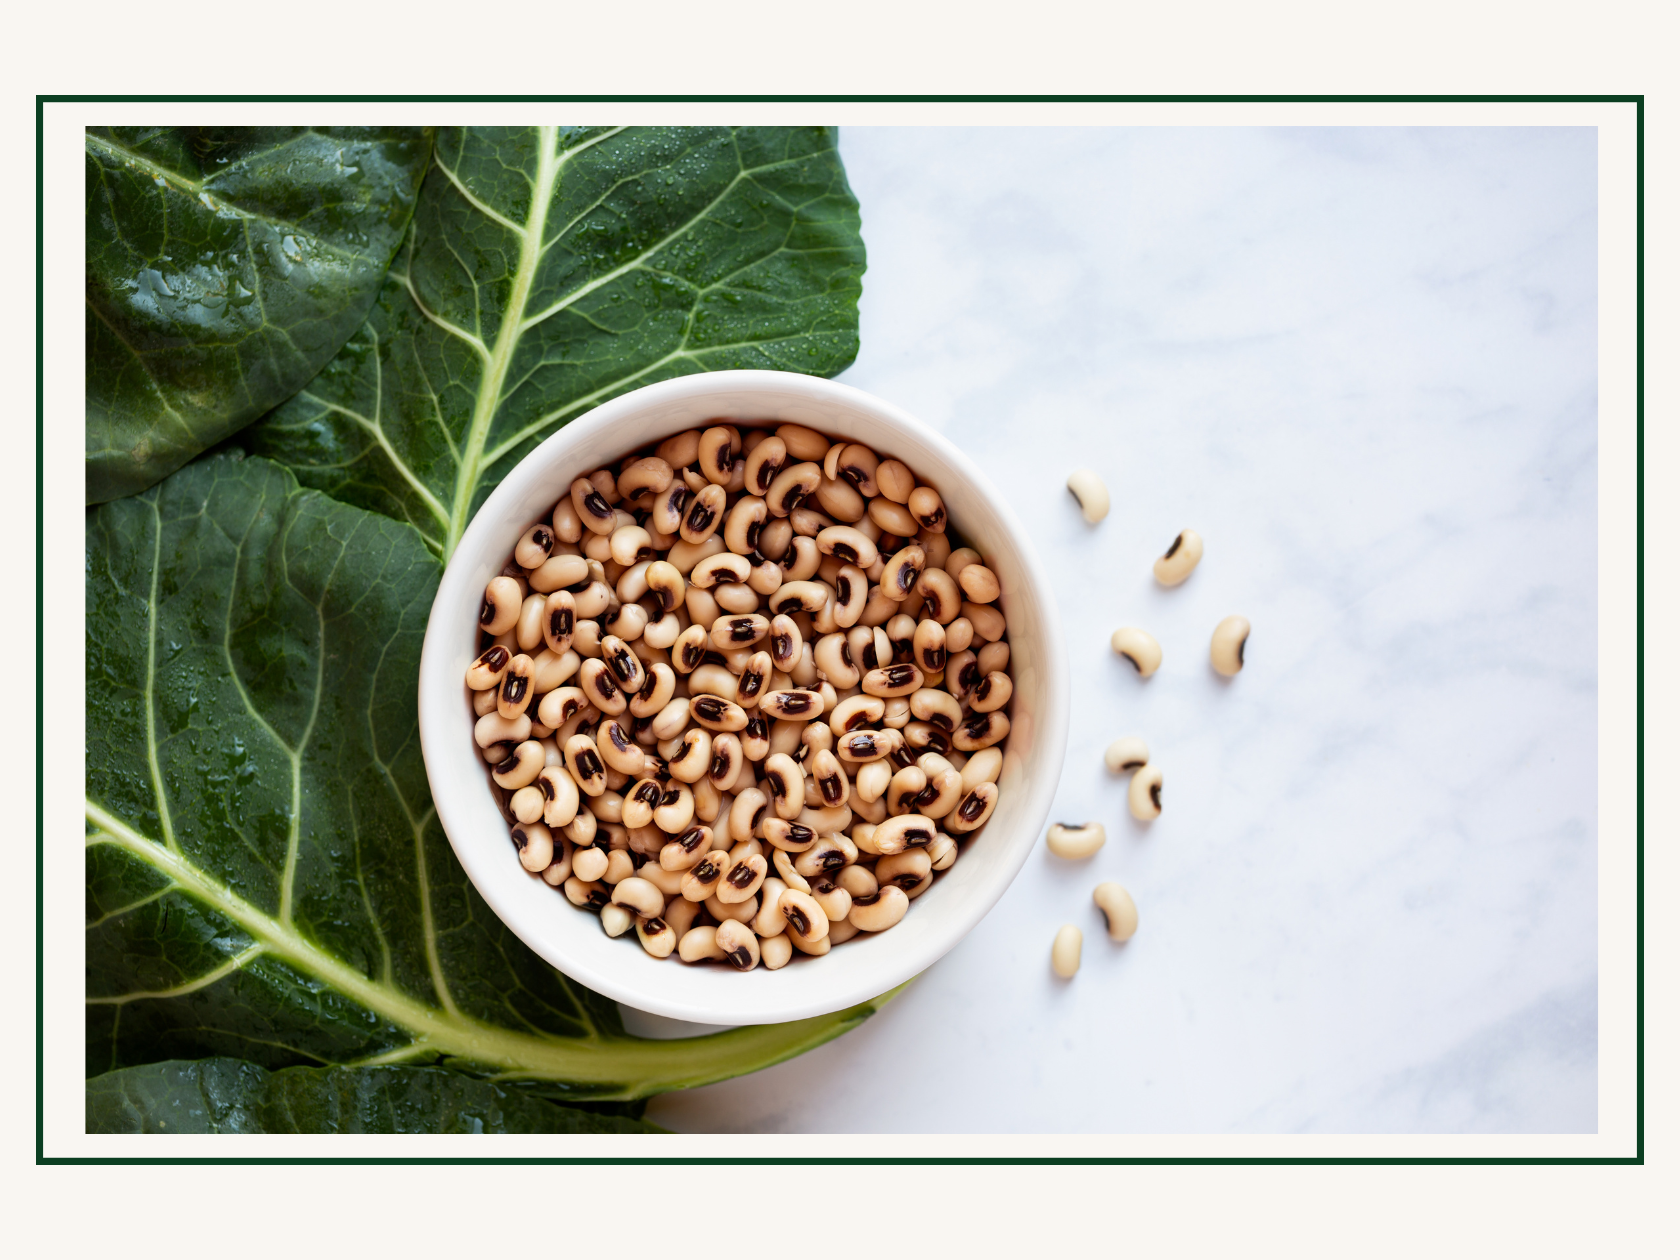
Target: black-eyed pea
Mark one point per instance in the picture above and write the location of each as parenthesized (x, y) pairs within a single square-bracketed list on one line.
[(959, 635), (803, 443), (755, 737), (620, 752), (676, 809), (785, 642), (857, 466), (792, 486), (936, 707), (769, 921), (901, 832), (764, 462), (1126, 754), (687, 850), (775, 952), (690, 649), (1139, 647), (807, 925), (527, 631), (533, 546), (1119, 908), (987, 621), (703, 515), (825, 821), (983, 767), (1064, 951), (738, 944), (717, 714), (639, 896), (659, 686), (880, 910), (927, 647), (590, 863), (616, 920), (859, 881), (487, 669), (829, 854), (609, 808), (745, 815), (629, 544), (974, 809), (802, 705), (927, 508), (586, 894), (833, 657), (835, 901), (980, 731), (799, 563), (1075, 841), (894, 680), (736, 911), (742, 879), (1143, 796), (626, 622), (867, 745), (716, 452), (1090, 492), (640, 802), (583, 760), (992, 692), (521, 768), (833, 787), (704, 876), (785, 784), (535, 844), (943, 793), (851, 592), (596, 681), (791, 837), (783, 864), (559, 868), (870, 811), (526, 805), (962, 675), (942, 853), (502, 601), (978, 583), (584, 829), (592, 507), (902, 572), (672, 720), (658, 937), (906, 869), (1230, 639), (906, 786), (699, 944), (848, 545), (484, 702), (856, 713), (1180, 559), (620, 865), (739, 630)]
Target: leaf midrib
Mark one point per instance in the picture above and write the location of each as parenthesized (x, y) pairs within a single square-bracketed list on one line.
[(640, 1066)]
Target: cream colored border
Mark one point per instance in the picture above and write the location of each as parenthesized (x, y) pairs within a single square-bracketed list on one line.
[(65, 721)]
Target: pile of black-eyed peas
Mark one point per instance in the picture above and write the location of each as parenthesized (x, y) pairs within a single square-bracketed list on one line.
[(741, 695)]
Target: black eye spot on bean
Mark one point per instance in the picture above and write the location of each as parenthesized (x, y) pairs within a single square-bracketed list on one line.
[(971, 807), (1173, 550), (487, 613), (741, 876), (796, 917), (597, 506)]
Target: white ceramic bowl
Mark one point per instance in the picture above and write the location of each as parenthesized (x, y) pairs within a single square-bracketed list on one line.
[(572, 940)]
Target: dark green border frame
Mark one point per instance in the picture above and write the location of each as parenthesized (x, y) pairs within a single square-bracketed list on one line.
[(1638, 321)]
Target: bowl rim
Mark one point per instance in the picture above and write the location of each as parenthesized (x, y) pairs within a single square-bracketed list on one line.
[(438, 681)]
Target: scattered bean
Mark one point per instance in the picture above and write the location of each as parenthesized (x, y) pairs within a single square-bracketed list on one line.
[(1180, 559), (1128, 753), (1144, 795), (1138, 647), (1075, 840), (1064, 954), (1230, 637), (1116, 903), (1088, 489)]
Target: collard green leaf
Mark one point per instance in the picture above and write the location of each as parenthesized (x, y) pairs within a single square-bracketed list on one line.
[(225, 266), (551, 268), (233, 1096), (266, 876)]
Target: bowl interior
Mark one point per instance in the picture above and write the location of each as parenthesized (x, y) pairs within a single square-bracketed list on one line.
[(572, 940)]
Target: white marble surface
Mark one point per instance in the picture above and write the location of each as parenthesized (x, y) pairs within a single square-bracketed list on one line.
[(1363, 365)]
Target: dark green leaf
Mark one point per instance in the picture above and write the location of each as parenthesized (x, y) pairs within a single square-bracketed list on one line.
[(225, 266), (232, 1096), (266, 876), (549, 269)]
